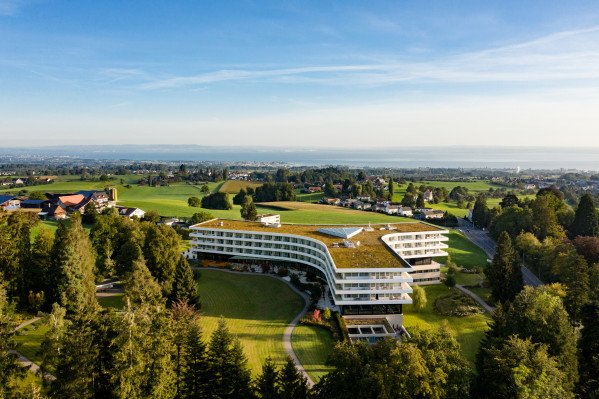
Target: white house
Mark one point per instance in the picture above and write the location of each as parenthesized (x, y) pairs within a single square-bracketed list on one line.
[(9, 202), (130, 212), (405, 211), (427, 196)]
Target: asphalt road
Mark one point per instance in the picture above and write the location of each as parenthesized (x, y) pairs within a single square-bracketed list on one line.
[(482, 239)]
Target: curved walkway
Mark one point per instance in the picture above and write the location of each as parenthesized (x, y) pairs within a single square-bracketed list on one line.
[(25, 362), (478, 299), (292, 324)]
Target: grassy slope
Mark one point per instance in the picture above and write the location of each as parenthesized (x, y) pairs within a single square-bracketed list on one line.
[(301, 212), (463, 252), (256, 308), (468, 330), (233, 186), (312, 345)]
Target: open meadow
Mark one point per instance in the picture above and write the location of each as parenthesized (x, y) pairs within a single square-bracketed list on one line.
[(313, 345), (257, 310), (233, 186)]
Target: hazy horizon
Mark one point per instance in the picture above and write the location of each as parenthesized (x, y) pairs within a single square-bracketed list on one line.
[(407, 157)]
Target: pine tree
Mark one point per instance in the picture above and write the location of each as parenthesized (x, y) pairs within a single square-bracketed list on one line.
[(184, 286), (141, 288), (586, 220), (182, 317), (75, 367), (73, 263), (293, 383), (504, 273), (161, 251), (10, 371), (480, 212), (40, 262), (267, 383), (574, 274), (196, 376), (589, 353), (228, 366)]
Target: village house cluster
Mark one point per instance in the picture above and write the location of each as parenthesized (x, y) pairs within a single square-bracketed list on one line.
[(58, 206)]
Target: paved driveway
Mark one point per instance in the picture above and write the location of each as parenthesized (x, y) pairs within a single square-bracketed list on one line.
[(482, 239)]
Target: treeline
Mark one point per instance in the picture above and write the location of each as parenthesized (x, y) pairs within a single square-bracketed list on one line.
[(548, 333), (62, 267)]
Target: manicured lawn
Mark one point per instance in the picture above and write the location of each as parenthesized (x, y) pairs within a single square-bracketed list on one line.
[(468, 330), (313, 345), (29, 339), (257, 310), (167, 201), (309, 197), (304, 212), (233, 186), (463, 252), (115, 301)]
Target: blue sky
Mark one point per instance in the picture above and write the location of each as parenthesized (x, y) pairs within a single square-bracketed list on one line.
[(310, 74)]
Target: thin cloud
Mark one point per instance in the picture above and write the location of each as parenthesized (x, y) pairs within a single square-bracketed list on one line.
[(561, 56), (11, 8)]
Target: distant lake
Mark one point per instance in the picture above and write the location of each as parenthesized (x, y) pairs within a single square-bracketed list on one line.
[(447, 157)]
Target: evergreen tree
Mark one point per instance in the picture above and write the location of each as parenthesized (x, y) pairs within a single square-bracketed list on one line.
[(391, 189), (72, 269), (51, 345), (185, 286), (161, 251), (196, 376), (38, 272), (293, 383), (586, 220), (545, 218), (141, 288), (228, 366), (589, 352), (75, 367), (10, 370), (248, 209), (573, 272), (480, 212), (129, 253), (521, 369), (420, 201), (267, 383), (504, 273)]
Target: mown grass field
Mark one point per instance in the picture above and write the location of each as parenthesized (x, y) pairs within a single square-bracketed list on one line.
[(468, 330), (257, 310), (233, 186), (313, 345), (29, 340), (304, 212), (463, 252)]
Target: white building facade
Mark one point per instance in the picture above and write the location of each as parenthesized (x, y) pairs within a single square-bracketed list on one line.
[(356, 291)]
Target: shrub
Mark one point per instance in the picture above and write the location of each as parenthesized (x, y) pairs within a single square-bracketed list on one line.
[(456, 304), (283, 272), (193, 201)]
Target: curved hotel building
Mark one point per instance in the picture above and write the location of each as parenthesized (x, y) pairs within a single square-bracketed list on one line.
[(368, 269)]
